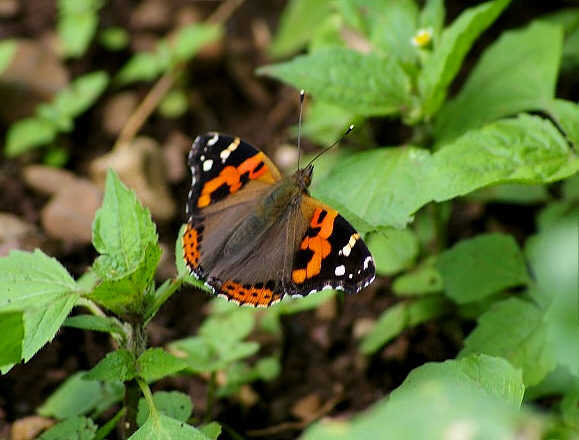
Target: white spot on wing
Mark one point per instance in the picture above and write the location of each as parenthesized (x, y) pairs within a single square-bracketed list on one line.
[(207, 164), (214, 139), (340, 271), (367, 262), (230, 149), (346, 250)]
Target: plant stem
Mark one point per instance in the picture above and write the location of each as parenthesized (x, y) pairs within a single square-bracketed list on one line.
[(91, 306), (210, 397), (131, 403), (163, 293), (137, 344), (148, 396)]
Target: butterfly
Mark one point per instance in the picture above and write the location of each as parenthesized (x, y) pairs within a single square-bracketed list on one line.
[(254, 236)]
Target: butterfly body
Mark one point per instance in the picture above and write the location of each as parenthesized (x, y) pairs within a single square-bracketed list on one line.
[(254, 236)]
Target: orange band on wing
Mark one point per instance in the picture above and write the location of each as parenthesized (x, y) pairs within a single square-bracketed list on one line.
[(259, 296), (254, 167), (191, 252), (320, 246)]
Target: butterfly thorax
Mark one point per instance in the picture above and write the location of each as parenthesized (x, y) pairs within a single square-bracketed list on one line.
[(286, 192), (284, 196)]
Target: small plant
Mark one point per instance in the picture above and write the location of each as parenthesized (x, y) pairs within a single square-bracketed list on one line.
[(38, 294)]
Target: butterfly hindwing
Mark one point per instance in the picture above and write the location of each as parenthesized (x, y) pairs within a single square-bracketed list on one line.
[(331, 254)]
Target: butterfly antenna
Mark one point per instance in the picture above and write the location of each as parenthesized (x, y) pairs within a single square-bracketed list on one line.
[(302, 96), (350, 128)]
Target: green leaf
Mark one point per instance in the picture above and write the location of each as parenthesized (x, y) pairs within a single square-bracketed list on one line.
[(40, 287), (156, 363), (27, 134), (268, 368), (515, 330), (400, 317), (125, 235), (7, 51), (324, 123), (517, 73), (493, 374), (432, 16), (75, 428), (527, 149), (77, 396), (117, 365), (205, 355), (297, 25), (566, 113), (388, 27), (553, 257), (190, 39), (481, 266), (80, 94), (211, 430), (114, 38), (394, 250), (160, 426), (171, 403), (143, 66), (425, 279), (122, 229), (126, 292), (77, 24), (225, 329), (456, 40), (382, 187), (12, 331), (97, 323), (432, 410), (378, 86)]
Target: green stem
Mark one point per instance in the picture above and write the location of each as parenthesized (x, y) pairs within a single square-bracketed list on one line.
[(148, 396), (210, 397), (91, 306), (163, 293)]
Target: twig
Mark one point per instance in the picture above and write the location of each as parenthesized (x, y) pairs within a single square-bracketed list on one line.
[(164, 84), (224, 11)]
